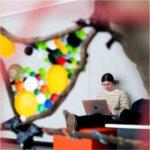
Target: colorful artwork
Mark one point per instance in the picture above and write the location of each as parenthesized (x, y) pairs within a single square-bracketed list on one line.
[(37, 91)]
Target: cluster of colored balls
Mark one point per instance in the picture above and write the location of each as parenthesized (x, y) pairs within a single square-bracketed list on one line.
[(37, 91), (64, 50), (33, 95)]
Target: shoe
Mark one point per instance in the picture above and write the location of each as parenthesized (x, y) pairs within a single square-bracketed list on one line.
[(70, 120), (66, 114)]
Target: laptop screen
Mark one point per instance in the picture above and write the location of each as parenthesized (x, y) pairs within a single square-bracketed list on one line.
[(96, 106)]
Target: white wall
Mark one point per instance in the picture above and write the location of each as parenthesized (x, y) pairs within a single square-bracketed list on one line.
[(101, 60)]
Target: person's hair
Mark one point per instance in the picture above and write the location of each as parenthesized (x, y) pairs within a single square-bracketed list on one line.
[(109, 77)]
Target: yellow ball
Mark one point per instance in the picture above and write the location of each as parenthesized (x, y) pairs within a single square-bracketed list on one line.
[(26, 103), (57, 79), (7, 47)]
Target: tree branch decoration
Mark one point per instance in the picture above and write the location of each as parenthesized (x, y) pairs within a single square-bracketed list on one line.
[(81, 65), (102, 138), (33, 40), (118, 34), (22, 84), (62, 96)]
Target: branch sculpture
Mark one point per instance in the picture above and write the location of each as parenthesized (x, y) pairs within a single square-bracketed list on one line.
[(81, 65), (127, 37), (118, 34), (84, 56), (103, 138)]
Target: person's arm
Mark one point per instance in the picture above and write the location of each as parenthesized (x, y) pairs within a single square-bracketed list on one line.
[(124, 101)]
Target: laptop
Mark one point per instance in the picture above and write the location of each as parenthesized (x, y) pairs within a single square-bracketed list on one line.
[(96, 106)]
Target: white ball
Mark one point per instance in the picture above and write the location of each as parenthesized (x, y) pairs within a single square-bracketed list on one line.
[(23, 118), (41, 82), (30, 84), (51, 45), (40, 54), (41, 98)]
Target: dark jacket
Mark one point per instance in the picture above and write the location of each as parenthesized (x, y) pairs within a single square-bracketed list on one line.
[(137, 114)]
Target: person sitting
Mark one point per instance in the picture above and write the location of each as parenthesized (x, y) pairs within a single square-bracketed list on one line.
[(117, 101)]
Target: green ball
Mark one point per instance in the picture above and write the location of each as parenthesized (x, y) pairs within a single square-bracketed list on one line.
[(32, 74), (81, 34), (48, 94), (70, 73), (68, 47), (27, 70), (75, 51), (41, 45), (73, 61), (57, 53), (41, 108), (15, 72), (36, 91), (42, 72)]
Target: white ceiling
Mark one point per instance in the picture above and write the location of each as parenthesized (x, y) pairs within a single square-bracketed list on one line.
[(9, 7)]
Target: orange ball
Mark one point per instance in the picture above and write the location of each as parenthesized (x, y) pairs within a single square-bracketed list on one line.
[(19, 85), (44, 89)]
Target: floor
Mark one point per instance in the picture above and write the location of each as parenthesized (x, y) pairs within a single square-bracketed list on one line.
[(6, 144)]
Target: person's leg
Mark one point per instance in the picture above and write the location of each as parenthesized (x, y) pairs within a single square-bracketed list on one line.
[(75, 122), (90, 121)]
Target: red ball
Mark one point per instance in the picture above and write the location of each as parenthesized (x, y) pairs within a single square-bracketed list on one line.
[(54, 97), (38, 76), (60, 60)]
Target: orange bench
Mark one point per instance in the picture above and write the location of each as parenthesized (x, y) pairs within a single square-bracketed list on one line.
[(65, 143)]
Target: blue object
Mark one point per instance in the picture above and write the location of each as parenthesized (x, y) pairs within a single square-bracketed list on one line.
[(99, 136), (48, 103)]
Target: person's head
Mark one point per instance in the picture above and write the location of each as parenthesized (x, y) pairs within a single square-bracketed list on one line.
[(108, 82)]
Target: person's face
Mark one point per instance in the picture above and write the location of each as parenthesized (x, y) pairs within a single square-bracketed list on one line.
[(108, 86)]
